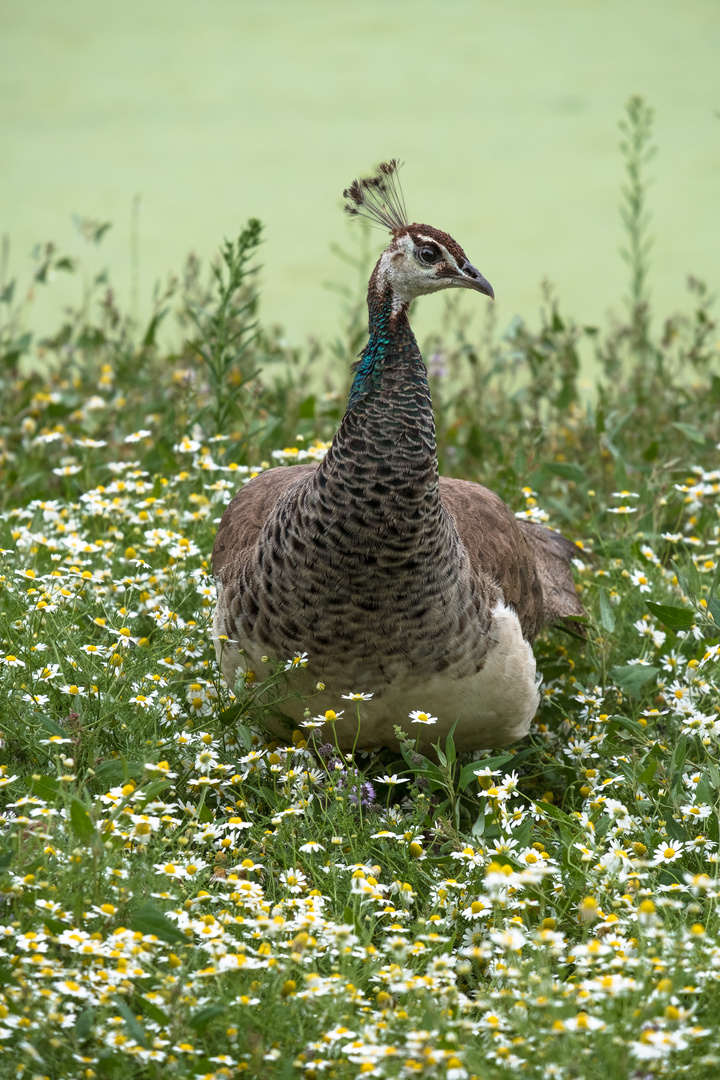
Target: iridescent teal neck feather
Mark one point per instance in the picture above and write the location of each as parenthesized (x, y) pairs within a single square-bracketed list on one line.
[(387, 330), (390, 341)]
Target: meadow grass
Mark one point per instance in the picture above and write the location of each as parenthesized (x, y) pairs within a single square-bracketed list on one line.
[(181, 896)]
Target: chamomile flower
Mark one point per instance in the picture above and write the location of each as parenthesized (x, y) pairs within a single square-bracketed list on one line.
[(422, 718)]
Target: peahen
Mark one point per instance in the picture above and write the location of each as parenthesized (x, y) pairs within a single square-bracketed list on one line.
[(422, 590)]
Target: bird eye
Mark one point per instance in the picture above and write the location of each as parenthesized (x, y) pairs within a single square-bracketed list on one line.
[(428, 254)]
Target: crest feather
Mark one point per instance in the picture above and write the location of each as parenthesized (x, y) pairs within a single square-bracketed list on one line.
[(379, 198)]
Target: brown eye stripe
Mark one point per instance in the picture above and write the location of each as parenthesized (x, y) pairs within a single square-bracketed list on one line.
[(444, 270)]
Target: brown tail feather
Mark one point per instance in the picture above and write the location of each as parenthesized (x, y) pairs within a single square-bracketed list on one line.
[(553, 554)]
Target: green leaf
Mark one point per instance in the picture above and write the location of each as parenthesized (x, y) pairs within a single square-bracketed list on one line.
[(119, 769), (692, 433), (625, 722), (154, 1011), (244, 736), (307, 408), (567, 469), (6, 857), (131, 1022), (151, 332), (450, 751), (479, 827), (549, 809), (45, 787), (150, 920), (632, 677), (151, 792), (81, 822), (607, 615), (704, 792), (689, 578), (54, 926), (230, 715), (52, 727), (84, 1024), (648, 772), (675, 618), (200, 1020), (467, 774)]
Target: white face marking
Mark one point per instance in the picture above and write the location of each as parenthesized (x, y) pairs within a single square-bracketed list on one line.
[(408, 277)]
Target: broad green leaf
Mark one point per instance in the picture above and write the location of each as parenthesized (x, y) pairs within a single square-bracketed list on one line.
[(625, 722), (450, 752), (607, 615), (467, 773), (648, 772), (550, 810), (150, 920), (675, 618), (200, 1020), (306, 410), (131, 1022), (567, 469), (229, 716), (151, 792), (84, 1024), (244, 736), (688, 577), (154, 1011), (704, 792), (45, 787), (632, 677), (81, 822), (53, 727), (119, 769), (692, 433)]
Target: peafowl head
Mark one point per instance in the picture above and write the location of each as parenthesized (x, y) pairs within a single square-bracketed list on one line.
[(420, 259)]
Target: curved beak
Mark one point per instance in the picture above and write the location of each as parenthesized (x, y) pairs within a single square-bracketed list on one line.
[(473, 279)]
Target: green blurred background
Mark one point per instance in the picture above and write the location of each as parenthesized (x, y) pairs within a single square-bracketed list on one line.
[(506, 114)]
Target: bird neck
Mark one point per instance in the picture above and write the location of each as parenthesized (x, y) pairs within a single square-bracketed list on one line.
[(391, 359), (388, 430)]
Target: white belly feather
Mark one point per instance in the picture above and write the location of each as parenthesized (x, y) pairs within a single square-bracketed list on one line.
[(494, 707)]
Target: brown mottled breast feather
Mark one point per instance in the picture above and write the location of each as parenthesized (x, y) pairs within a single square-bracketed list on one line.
[(248, 511), (530, 564)]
